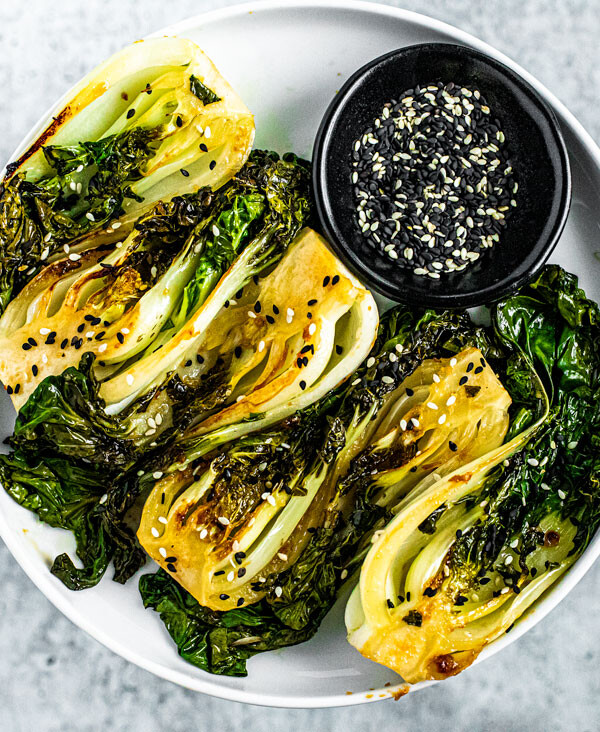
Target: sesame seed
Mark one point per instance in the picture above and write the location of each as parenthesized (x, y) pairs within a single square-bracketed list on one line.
[(223, 520), (74, 256), (442, 419), (450, 401), (203, 533), (129, 379), (155, 532), (533, 462), (432, 405), (157, 474), (278, 591), (561, 494)]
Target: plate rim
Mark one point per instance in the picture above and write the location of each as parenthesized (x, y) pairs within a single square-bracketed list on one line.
[(210, 685)]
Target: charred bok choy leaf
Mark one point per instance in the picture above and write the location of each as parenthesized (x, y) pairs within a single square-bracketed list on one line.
[(155, 120), (469, 552), (272, 520)]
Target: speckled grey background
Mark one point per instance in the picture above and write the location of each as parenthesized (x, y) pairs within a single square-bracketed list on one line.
[(53, 677)]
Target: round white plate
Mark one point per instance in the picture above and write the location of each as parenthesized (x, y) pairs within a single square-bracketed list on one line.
[(287, 59)]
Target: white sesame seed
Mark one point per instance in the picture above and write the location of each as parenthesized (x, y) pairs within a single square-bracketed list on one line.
[(162, 520), (90, 216), (155, 532), (116, 224), (312, 328), (285, 445), (140, 473), (44, 254), (282, 556), (151, 422), (442, 419), (223, 520), (163, 552), (403, 425), (203, 533), (207, 132), (571, 445), (215, 230), (89, 334), (230, 576), (453, 362), (344, 574), (432, 405), (158, 419), (129, 379), (44, 331), (73, 185), (355, 382), (415, 421), (261, 346), (103, 499), (514, 544), (450, 401), (74, 257), (102, 347), (157, 474), (370, 362), (278, 591), (251, 314), (44, 358), (561, 494), (271, 499), (544, 486), (387, 380), (533, 462), (436, 378)]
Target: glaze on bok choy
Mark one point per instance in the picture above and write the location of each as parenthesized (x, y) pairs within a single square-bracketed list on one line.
[(154, 121), (468, 553)]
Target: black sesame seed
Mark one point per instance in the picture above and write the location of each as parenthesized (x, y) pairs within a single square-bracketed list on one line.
[(275, 309), (453, 446), (257, 307), (309, 316), (188, 363), (34, 370), (203, 147), (200, 358), (171, 567), (326, 281), (170, 559), (219, 572), (9, 390), (237, 351), (470, 366), (26, 346), (212, 164), (130, 113), (478, 370), (338, 350), (390, 604), (120, 337), (32, 342), (240, 601), (409, 392), (17, 388), (312, 302), (335, 279), (463, 381), (178, 121), (303, 385), (184, 172), (306, 349), (80, 328), (100, 336), (270, 319), (223, 596), (64, 343)]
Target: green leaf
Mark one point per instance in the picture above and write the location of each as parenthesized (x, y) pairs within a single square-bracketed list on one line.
[(204, 94)]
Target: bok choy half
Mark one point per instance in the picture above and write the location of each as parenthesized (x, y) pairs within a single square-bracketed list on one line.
[(154, 121), (468, 553)]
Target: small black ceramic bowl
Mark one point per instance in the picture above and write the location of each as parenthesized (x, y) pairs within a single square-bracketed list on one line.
[(535, 147)]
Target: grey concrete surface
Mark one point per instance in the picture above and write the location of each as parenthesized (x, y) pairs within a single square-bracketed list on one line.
[(53, 677)]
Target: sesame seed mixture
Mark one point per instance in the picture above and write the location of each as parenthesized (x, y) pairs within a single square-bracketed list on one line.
[(433, 183)]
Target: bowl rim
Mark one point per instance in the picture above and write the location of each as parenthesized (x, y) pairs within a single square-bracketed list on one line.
[(379, 283), (46, 583)]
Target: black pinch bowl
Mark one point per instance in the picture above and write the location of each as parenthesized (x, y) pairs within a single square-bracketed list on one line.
[(536, 150)]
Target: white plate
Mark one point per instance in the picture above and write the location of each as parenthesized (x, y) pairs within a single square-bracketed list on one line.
[(287, 59)]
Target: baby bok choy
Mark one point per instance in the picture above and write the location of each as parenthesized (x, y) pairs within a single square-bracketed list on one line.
[(155, 120), (468, 552), (312, 326)]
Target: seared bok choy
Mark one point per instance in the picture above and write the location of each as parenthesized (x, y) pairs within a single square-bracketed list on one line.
[(468, 552), (297, 345), (155, 120)]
